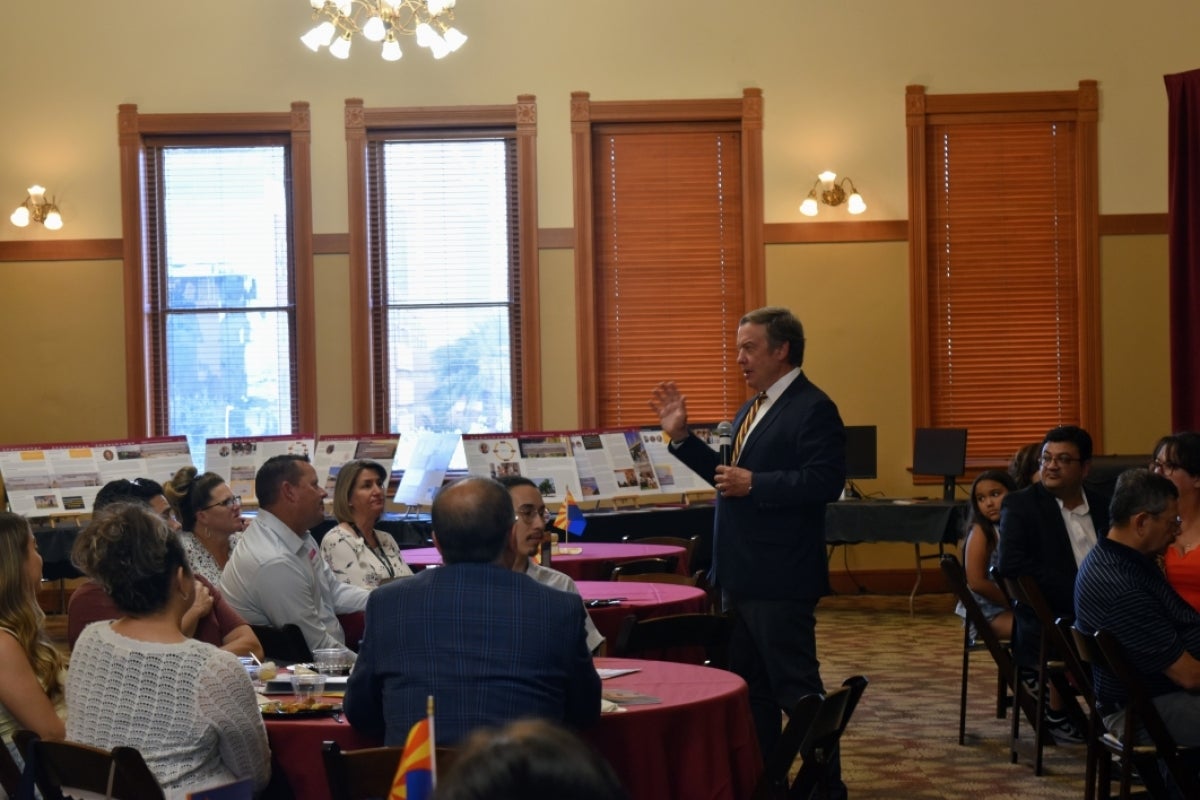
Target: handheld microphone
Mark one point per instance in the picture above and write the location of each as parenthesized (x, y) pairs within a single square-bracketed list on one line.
[(725, 441)]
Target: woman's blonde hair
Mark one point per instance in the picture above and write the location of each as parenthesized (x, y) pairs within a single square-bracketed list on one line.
[(19, 609)]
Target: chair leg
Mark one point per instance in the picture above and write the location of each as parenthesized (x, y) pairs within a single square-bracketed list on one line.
[(1001, 694), (1040, 724), (962, 701), (1018, 704)]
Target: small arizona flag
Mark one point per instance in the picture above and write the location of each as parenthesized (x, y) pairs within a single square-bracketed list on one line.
[(570, 516), (416, 775)]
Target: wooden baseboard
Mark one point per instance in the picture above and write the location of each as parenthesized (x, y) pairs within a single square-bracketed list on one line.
[(886, 581)]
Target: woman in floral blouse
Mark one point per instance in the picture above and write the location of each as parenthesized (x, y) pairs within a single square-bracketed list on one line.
[(356, 552), (211, 515)]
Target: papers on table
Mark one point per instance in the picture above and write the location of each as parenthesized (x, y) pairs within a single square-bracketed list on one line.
[(606, 673)]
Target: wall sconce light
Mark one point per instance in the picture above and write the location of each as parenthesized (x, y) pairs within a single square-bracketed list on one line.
[(832, 192), (37, 208)]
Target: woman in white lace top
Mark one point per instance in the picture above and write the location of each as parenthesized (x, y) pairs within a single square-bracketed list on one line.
[(356, 552), (139, 682), (31, 689), (211, 515)]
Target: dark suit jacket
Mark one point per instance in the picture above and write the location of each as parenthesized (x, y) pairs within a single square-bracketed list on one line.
[(770, 545), (1034, 541), (491, 645)]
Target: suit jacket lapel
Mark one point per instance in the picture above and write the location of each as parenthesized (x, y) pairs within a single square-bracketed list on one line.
[(770, 416)]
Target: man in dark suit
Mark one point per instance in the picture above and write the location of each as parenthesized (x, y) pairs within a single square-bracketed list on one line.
[(789, 460), (1046, 530), (489, 644)]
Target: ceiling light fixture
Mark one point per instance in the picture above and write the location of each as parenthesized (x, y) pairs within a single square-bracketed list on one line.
[(384, 21)]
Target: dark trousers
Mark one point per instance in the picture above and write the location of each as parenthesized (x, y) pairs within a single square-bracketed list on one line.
[(774, 649)]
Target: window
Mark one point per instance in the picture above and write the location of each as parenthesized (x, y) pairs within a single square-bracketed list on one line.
[(213, 207), (669, 251), (1002, 248), (444, 263)]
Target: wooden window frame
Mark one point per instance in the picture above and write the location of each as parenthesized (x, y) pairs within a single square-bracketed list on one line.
[(133, 128), (359, 122), (1078, 106), (586, 116)]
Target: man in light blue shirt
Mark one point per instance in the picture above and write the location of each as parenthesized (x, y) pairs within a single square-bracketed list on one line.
[(275, 575)]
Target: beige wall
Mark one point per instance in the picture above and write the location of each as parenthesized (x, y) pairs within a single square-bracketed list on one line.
[(833, 76)]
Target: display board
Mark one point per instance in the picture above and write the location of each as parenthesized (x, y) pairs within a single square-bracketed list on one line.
[(334, 451), (62, 479), (237, 459), (612, 465)]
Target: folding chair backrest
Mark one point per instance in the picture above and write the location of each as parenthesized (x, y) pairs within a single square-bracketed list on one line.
[(10, 773), (360, 774), (286, 644), (641, 566), (676, 638), (772, 783), (120, 774), (956, 579), (688, 545)]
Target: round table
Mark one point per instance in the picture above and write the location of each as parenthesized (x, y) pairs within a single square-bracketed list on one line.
[(696, 743), (643, 600), (589, 564)]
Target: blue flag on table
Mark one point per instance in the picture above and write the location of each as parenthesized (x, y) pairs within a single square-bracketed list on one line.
[(570, 516)]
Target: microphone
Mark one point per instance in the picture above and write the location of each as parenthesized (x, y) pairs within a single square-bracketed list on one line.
[(725, 441)]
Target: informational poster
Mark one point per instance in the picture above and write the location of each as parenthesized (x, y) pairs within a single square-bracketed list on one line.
[(544, 458), (334, 451), (673, 475), (237, 459), (62, 479), (426, 468), (613, 464)]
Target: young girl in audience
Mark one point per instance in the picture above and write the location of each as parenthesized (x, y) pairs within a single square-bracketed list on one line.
[(1177, 458), (979, 549), (31, 689), (137, 681)]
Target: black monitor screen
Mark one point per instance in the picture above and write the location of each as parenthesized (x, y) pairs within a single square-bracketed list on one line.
[(861, 452), (940, 451)]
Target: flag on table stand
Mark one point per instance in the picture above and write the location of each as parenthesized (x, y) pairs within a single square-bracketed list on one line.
[(416, 776), (570, 516)]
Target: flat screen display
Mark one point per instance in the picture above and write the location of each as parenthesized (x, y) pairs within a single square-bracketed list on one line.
[(861, 444), (940, 451)]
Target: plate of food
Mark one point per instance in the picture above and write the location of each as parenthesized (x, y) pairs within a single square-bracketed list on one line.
[(298, 709)]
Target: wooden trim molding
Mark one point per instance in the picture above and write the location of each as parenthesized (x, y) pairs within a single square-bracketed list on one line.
[(885, 230), (527, 221), (1133, 224), (362, 373), (62, 250), (303, 281)]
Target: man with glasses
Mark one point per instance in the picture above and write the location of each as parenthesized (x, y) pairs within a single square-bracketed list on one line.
[(528, 533), (1046, 530), (1121, 589)]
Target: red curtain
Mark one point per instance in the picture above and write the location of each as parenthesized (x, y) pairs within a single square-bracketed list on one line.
[(1183, 225)]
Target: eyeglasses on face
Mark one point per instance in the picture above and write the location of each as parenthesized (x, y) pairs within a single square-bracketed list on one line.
[(1163, 467), (1173, 523), (528, 513), (233, 501), (1062, 459)]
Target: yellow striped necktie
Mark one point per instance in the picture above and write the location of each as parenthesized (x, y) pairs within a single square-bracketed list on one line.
[(744, 428)]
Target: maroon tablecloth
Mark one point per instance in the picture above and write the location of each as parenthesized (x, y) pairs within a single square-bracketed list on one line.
[(588, 565), (643, 600), (696, 744)]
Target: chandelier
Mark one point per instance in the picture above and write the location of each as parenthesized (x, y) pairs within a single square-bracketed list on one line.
[(383, 21)]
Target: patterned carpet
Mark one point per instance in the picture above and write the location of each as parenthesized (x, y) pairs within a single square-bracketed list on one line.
[(903, 739)]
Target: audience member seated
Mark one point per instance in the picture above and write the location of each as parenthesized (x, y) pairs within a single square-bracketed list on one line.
[(186, 706), (527, 536), (1026, 466), (1046, 530), (1177, 458), (357, 553), (528, 760), (275, 575), (979, 550), (31, 691), (1120, 589), (142, 490), (211, 515), (210, 619), (490, 645)]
